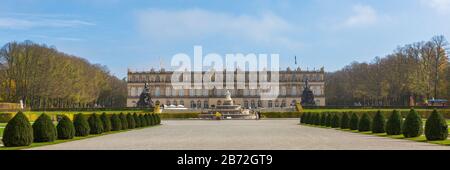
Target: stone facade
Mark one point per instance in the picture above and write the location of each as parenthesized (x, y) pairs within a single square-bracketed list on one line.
[(291, 83)]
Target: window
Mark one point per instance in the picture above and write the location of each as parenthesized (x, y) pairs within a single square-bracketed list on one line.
[(269, 104), (157, 91), (182, 102), (181, 92), (168, 92), (283, 90), (206, 104), (246, 104), (277, 104), (192, 104), (283, 103), (294, 91), (191, 92), (199, 104), (259, 103), (174, 92), (253, 104)]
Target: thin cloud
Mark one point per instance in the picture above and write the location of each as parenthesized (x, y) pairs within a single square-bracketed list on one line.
[(441, 6), (198, 23), (27, 23), (364, 15)]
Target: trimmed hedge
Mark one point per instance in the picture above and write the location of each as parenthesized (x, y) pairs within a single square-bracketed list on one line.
[(335, 121), (18, 131), (81, 125), (143, 121), (379, 123), (394, 124), (345, 121), (43, 129), (131, 121), (65, 128), (329, 120), (436, 127), (354, 122), (95, 124), (365, 123), (106, 122), (124, 121), (302, 119), (116, 123), (323, 119), (136, 119), (413, 126)]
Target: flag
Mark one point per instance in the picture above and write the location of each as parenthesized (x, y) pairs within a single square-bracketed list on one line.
[(295, 60)]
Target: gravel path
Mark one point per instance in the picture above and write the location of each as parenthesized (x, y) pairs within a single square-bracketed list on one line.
[(239, 134)]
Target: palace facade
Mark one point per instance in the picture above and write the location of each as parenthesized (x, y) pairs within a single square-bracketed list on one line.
[(291, 83)]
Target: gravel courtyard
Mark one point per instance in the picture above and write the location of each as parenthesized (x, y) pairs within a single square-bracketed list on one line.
[(239, 134)]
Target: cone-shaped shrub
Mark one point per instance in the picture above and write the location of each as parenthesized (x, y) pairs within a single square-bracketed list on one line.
[(323, 119), (304, 121), (379, 123), (65, 128), (131, 121), (329, 119), (335, 121), (148, 120), (143, 121), (136, 119), (345, 121), (354, 121), (394, 124), (436, 127), (18, 131), (153, 118), (96, 124), (116, 123), (81, 125), (43, 129), (106, 122), (365, 123), (158, 119), (124, 121), (413, 126), (302, 118)]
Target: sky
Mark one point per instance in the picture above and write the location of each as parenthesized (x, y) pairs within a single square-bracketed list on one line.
[(141, 34)]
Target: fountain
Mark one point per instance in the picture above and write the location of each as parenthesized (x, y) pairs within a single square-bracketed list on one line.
[(228, 110)]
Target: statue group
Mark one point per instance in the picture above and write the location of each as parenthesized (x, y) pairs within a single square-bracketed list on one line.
[(307, 96), (145, 101)]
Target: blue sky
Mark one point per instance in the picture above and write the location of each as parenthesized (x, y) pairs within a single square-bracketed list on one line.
[(135, 34)]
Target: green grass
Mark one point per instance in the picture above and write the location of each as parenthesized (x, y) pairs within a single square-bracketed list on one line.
[(63, 141)]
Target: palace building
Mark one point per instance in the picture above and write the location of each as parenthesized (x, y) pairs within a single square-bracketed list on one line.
[(291, 85)]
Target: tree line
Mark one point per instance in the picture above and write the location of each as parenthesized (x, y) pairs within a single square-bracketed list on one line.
[(411, 75), (43, 77)]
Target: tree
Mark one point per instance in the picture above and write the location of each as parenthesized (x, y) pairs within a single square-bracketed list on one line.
[(335, 121), (43, 129), (394, 124), (379, 123), (345, 121), (365, 123), (436, 127), (116, 123), (413, 126), (18, 131), (95, 124), (354, 122), (131, 121), (124, 121), (65, 128), (81, 125), (106, 121)]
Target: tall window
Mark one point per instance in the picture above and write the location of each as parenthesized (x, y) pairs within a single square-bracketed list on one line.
[(269, 104), (294, 91), (157, 91), (168, 92), (181, 92), (191, 92), (206, 104), (283, 90)]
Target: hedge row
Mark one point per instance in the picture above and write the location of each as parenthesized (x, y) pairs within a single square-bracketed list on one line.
[(436, 127), (19, 132)]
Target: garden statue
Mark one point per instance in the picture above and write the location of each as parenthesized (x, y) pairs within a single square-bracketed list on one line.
[(144, 99), (307, 96)]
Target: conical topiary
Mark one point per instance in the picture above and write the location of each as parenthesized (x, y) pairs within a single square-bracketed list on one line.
[(158, 119), (43, 129), (124, 121), (354, 121), (116, 123), (147, 118), (379, 123), (365, 123), (153, 119), (65, 128), (436, 127), (394, 124), (106, 121), (345, 121), (317, 119), (131, 121), (329, 120), (136, 119), (335, 121), (18, 131), (81, 125), (302, 118), (143, 121), (413, 126), (323, 119), (95, 124)]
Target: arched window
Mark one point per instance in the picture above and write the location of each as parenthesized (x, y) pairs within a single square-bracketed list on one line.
[(219, 103), (199, 104), (168, 103), (246, 104), (259, 103), (182, 102), (175, 103), (269, 104), (205, 104), (277, 103), (253, 104), (192, 104), (283, 103)]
